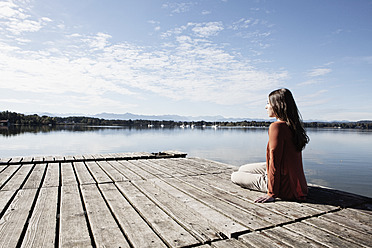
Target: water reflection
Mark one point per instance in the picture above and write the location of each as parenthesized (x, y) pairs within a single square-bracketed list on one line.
[(17, 129)]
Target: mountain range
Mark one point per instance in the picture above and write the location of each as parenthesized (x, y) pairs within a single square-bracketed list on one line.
[(130, 116)]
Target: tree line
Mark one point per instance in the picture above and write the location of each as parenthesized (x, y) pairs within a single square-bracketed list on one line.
[(13, 118)]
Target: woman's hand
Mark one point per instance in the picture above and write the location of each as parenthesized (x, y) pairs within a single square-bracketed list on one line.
[(265, 198)]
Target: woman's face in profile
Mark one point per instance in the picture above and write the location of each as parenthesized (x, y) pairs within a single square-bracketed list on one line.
[(269, 109)]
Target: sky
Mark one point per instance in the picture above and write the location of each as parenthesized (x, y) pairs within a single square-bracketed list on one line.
[(190, 58)]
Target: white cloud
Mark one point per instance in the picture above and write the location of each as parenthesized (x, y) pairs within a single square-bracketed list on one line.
[(88, 67), (193, 69), (10, 10), (245, 23), (202, 30), (17, 21), (17, 100), (308, 82), (256, 31), (97, 42), (178, 7), (153, 22), (338, 31), (318, 72), (207, 29), (314, 99)]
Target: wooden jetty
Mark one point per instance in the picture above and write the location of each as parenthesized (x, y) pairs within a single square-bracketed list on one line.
[(163, 200)]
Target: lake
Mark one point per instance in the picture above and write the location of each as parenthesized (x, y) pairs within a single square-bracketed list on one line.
[(337, 158)]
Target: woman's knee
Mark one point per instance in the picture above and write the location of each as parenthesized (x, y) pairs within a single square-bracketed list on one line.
[(256, 168), (234, 176), (249, 181)]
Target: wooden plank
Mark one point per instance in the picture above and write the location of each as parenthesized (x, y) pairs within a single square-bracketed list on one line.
[(293, 210), (104, 228), (16, 160), (130, 220), (231, 243), (83, 174), (68, 175), (52, 175), (69, 158), (123, 156), (261, 239), (15, 218), (365, 208), (291, 239), (193, 221), (260, 217), (123, 169), (99, 175), (169, 230), (27, 160), (120, 156), (165, 171), (34, 180), (176, 153), (131, 165), (155, 172), (219, 220), (237, 214), (351, 220), (88, 157), (7, 173), (178, 167), (5, 198), (204, 246), (79, 158), (2, 167), (143, 155), (131, 155), (5, 160), (109, 156), (17, 180), (339, 230), (41, 230), (206, 166), (112, 172), (98, 157), (59, 159), (210, 163), (49, 159), (73, 226), (38, 159), (319, 235)]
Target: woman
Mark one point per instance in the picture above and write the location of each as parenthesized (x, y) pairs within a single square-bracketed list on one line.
[(282, 176)]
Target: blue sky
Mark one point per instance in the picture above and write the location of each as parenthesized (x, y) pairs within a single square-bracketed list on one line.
[(193, 58)]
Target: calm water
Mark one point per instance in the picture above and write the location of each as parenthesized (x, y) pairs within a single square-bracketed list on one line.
[(336, 158)]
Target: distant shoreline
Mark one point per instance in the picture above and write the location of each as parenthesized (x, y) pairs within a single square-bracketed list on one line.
[(16, 119)]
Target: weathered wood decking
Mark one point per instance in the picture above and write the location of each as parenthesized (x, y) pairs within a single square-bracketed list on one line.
[(163, 200)]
